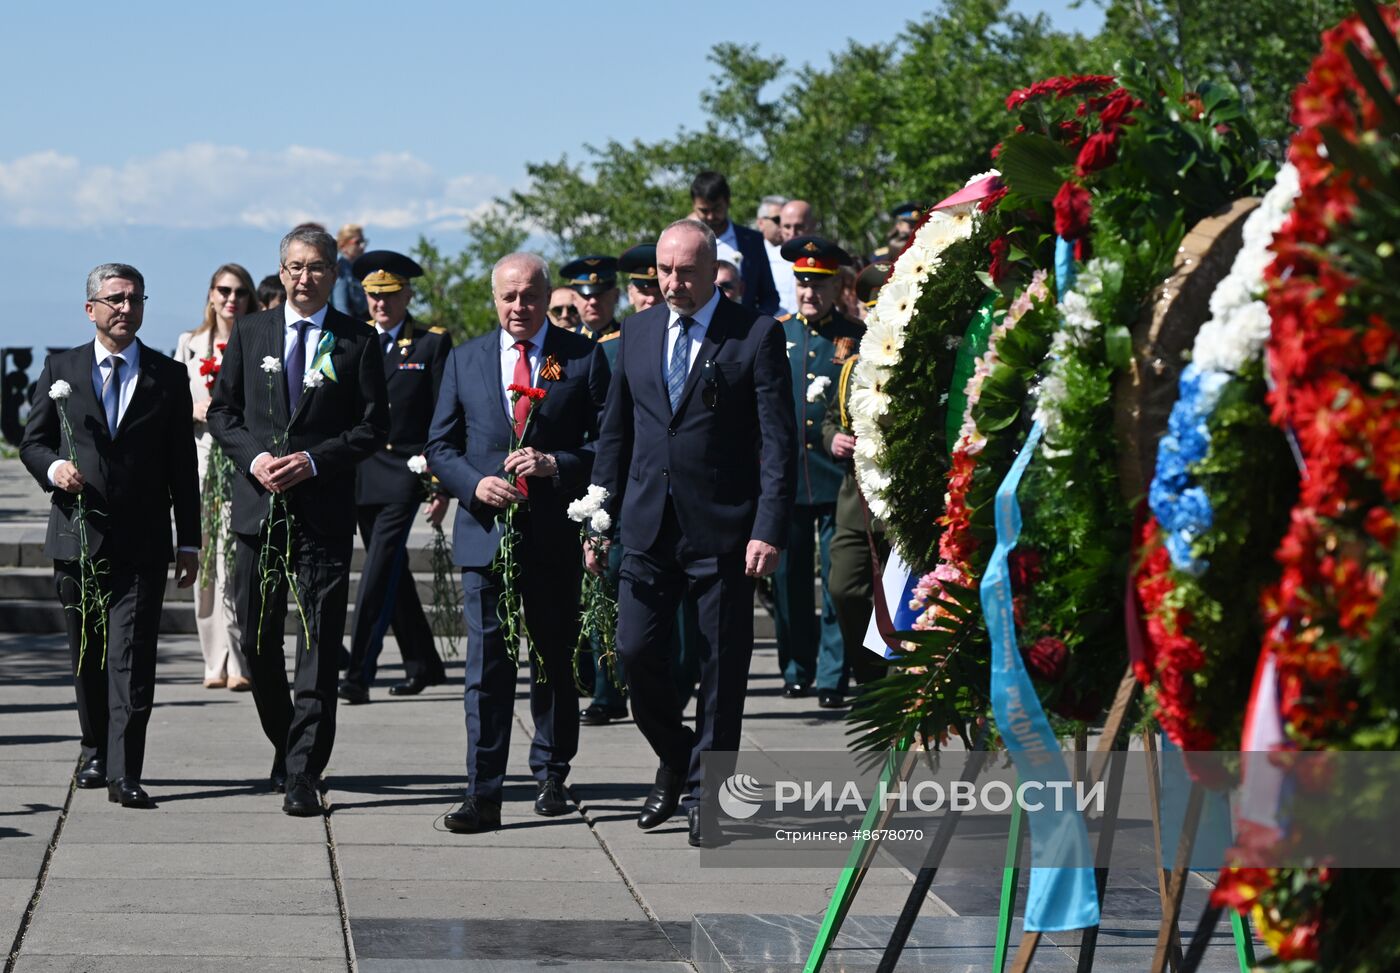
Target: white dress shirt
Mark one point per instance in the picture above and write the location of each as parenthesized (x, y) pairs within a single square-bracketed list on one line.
[(783, 278), (289, 338), (509, 356), (700, 326)]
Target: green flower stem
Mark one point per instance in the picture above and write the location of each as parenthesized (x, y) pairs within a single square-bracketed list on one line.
[(597, 619), (92, 600)]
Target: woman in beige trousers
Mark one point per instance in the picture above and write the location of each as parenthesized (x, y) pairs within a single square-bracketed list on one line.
[(231, 295)]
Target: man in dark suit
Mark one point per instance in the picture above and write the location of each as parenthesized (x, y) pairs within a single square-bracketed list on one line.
[(126, 451), (697, 454), (709, 197), (470, 451), (299, 402), (387, 492)]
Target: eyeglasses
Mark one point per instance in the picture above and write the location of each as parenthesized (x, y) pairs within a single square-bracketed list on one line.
[(226, 292), (316, 270), (769, 219), (118, 301), (563, 311), (728, 286)]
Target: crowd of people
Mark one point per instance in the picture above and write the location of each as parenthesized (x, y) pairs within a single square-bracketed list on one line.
[(712, 421)]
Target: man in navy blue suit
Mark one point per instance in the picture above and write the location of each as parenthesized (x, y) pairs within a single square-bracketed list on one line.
[(469, 450), (698, 456), (709, 198)]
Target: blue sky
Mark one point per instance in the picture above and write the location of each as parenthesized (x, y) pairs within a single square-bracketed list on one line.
[(177, 136)]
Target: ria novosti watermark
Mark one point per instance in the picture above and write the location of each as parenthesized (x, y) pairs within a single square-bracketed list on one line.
[(806, 808)]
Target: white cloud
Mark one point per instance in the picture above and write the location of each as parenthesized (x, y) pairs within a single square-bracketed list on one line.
[(206, 186)]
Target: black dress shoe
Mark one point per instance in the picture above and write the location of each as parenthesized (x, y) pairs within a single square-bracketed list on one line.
[(552, 800), (697, 838), (93, 773), (831, 699), (794, 690), (662, 801), (598, 715), (127, 792), (301, 801), (474, 815), (412, 686), (352, 692)]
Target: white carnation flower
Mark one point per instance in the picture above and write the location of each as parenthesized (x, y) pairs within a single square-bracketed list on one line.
[(818, 388), (60, 390), (313, 380), (418, 464), (272, 364), (600, 522)]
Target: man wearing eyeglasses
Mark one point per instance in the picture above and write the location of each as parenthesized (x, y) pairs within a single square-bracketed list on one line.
[(116, 453), (729, 281), (563, 309), (300, 401), (819, 340), (593, 280)]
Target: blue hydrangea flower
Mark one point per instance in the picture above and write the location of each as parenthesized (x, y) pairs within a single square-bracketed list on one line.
[(1180, 505)]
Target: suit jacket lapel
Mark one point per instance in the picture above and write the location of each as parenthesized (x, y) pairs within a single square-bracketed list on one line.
[(489, 365), (714, 337), (145, 387), (90, 402)]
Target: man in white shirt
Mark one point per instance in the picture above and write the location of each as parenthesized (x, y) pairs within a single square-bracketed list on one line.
[(709, 197)]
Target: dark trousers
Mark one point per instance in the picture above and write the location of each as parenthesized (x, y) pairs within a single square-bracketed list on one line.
[(852, 591), (114, 700), (685, 668), (808, 651), (651, 587), (548, 583), (299, 720), (387, 596)]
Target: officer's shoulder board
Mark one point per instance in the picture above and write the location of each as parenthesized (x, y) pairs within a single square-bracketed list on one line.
[(437, 329), (610, 337), (783, 318)]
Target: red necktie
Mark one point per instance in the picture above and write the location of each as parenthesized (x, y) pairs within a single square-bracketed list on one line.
[(522, 404)]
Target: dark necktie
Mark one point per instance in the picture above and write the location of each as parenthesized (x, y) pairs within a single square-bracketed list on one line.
[(296, 366), (387, 344), (112, 392), (679, 367)]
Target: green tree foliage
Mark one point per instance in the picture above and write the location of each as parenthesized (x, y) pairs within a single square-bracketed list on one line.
[(880, 123)]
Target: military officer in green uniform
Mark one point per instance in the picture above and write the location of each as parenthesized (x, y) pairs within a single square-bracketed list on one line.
[(594, 280), (852, 570), (819, 340)]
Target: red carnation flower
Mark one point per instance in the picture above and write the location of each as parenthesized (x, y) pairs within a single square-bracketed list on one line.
[(1072, 211), (1047, 659), (999, 248), (1099, 152)]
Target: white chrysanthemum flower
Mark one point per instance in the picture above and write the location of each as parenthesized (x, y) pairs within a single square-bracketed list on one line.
[(982, 175), (867, 446), (817, 389), (896, 301), (870, 403), (880, 345), (272, 364), (60, 390), (418, 464), (313, 380)]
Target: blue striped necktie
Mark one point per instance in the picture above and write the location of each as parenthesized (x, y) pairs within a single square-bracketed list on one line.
[(679, 367)]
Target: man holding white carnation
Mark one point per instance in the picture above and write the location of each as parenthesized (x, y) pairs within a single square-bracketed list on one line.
[(111, 438), (300, 401)]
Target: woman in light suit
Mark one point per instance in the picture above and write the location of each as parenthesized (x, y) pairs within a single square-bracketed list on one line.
[(201, 351)]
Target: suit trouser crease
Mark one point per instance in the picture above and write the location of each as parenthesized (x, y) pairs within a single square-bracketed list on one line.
[(548, 583), (299, 718), (388, 598), (652, 585), (115, 700)]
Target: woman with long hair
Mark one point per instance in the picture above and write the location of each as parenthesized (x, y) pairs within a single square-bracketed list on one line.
[(231, 296)]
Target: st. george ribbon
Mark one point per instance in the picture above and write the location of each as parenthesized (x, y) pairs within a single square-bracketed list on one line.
[(1058, 898)]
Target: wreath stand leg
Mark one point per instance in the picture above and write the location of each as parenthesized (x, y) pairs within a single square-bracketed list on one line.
[(898, 766), (1167, 933), (1154, 796), (1103, 753), (904, 925)]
